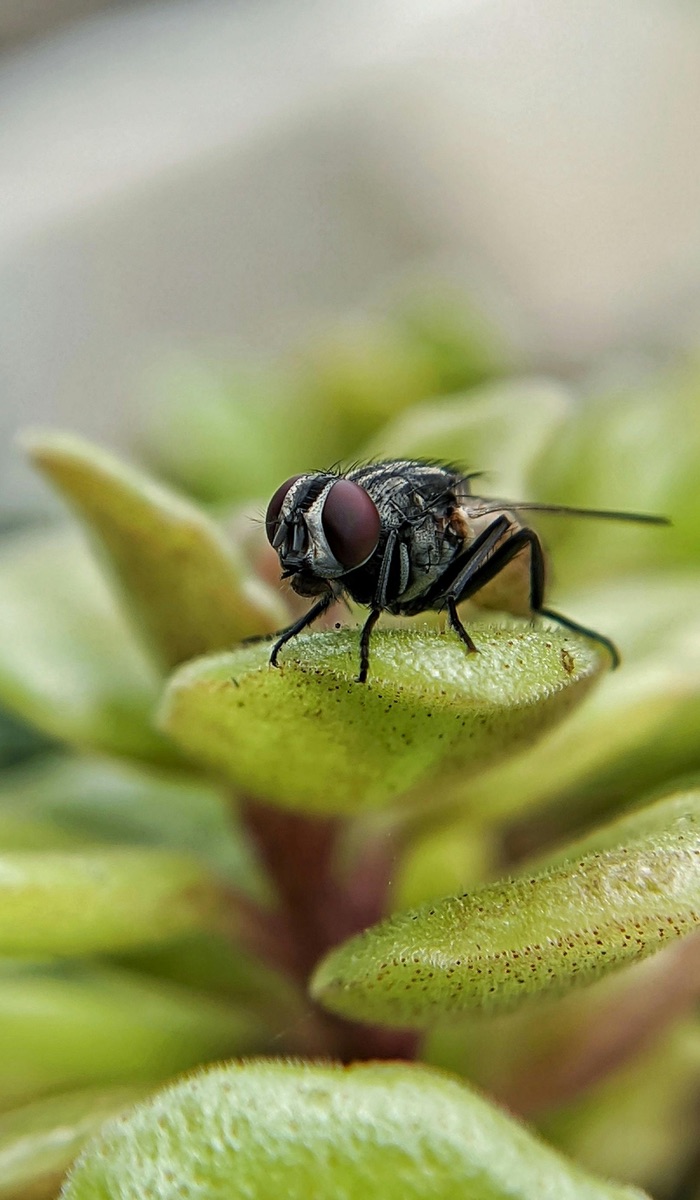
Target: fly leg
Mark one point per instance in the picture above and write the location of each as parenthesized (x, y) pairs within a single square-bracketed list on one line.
[(475, 575), (364, 644), (537, 597), (285, 635), (474, 571), (378, 604), (590, 633)]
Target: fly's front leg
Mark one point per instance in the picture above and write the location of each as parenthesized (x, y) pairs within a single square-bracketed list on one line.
[(364, 644), (317, 610)]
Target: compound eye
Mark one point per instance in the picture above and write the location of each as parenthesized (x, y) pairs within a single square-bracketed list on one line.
[(274, 508), (351, 523)]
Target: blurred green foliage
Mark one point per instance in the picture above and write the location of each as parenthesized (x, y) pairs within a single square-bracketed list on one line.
[(179, 851)]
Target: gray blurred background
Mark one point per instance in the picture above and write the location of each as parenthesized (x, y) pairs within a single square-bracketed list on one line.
[(229, 177)]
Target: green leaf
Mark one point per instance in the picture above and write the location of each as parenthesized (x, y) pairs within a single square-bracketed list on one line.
[(66, 902), (633, 445), (509, 940), (39, 1142), (225, 432), (19, 741), (83, 801), (639, 729), (70, 1026), (639, 1124), (307, 736), (498, 429), (183, 582), (216, 965), (68, 661), (273, 1129)]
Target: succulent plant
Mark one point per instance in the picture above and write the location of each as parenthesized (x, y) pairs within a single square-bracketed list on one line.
[(399, 909)]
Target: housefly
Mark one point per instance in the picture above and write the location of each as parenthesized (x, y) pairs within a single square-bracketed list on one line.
[(406, 537)]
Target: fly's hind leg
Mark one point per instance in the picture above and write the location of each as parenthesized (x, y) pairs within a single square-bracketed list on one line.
[(484, 563), (537, 597), (589, 633)]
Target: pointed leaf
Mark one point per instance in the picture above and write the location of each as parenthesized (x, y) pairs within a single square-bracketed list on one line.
[(308, 736), (273, 1129), (509, 940), (183, 582), (65, 902), (68, 661)]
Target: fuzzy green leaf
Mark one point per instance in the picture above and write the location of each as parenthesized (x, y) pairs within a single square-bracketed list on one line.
[(307, 736), (273, 1129), (68, 661), (39, 1142), (509, 940), (66, 902), (183, 582)]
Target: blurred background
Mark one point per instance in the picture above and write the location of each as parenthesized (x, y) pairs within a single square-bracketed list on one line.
[(215, 181), (243, 239)]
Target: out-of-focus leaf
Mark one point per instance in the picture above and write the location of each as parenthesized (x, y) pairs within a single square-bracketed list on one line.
[(65, 902), (19, 741), (227, 433), (638, 730), (465, 347), (18, 832), (68, 661), (362, 374), (272, 1129), (448, 858), (499, 430), (630, 826), (307, 736), (213, 964), (641, 1123), (632, 447), (82, 801), (70, 1026), (183, 582), (39, 1141), (547, 931)]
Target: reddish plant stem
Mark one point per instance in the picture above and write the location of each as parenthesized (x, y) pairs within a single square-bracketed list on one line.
[(317, 910)]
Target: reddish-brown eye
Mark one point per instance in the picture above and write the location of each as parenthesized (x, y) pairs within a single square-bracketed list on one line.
[(351, 523), (274, 508)]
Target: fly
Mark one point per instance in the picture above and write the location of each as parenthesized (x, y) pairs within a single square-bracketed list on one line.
[(406, 537)]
